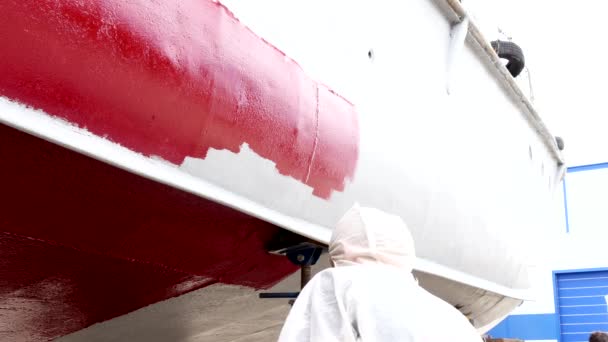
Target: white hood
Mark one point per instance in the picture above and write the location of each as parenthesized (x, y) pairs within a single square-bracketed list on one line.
[(367, 235)]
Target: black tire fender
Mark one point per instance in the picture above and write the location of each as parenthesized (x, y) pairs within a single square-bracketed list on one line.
[(512, 53)]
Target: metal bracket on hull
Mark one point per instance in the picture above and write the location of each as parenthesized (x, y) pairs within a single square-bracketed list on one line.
[(304, 254)]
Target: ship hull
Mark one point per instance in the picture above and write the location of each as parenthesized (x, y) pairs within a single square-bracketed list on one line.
[(158, 149)]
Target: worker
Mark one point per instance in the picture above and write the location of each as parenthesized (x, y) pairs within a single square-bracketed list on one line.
[(598, 336), (370, 294)]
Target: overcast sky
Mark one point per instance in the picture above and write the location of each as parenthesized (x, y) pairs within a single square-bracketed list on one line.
[(565, 44)]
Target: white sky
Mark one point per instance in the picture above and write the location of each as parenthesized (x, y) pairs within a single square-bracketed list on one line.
[(565, 45)]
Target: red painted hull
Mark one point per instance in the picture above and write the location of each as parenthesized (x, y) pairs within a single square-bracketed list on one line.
[(174, 79), (81, 241)]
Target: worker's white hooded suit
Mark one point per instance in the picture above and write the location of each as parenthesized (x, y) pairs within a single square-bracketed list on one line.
[(371, 294)]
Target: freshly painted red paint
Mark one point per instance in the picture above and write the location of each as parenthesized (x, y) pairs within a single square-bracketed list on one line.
[(47, 291), (174, 79), (82, 241)]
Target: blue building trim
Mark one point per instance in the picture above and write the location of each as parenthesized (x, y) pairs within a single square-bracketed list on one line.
[(581, 270), (574, 169), (589, 167), (527, 327)]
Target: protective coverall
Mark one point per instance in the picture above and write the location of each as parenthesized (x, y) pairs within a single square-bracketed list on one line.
[(371, 294)]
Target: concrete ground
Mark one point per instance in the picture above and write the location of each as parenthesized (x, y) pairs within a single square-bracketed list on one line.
[(227, 313), (217, 313)]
